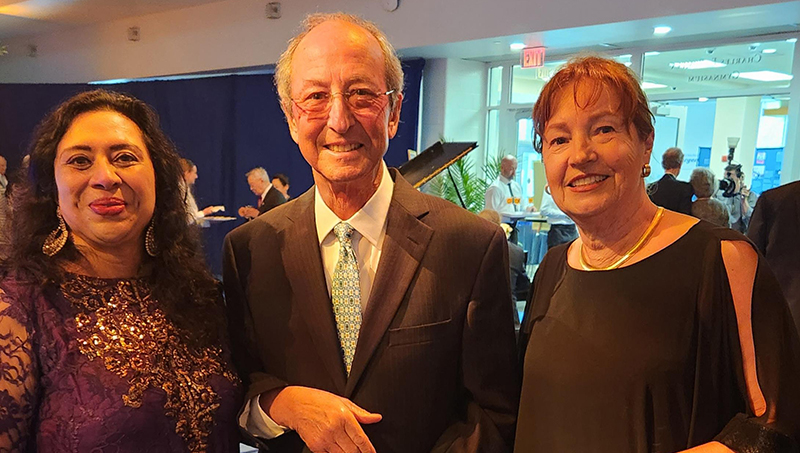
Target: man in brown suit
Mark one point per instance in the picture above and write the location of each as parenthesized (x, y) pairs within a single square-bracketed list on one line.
[(366, 316)]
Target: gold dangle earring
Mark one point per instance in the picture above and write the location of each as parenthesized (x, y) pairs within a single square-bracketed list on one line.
[(57, 238), (150, 240), (646, 170), (547, 189)]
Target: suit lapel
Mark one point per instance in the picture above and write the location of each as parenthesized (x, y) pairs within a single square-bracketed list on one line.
[(404, 245), (303, 263)]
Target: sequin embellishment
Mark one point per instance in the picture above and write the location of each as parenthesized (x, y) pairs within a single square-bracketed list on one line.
[(119, 323)]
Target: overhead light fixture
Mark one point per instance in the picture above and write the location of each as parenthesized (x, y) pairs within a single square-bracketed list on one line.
[(652, 53), (661, 30), (697, 64), (771, 105), (651, 85), (517, 46), (702, 99), (769, 50), (792, 40), (765, 76)]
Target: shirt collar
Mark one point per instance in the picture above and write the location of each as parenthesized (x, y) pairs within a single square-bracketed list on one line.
[(264, 194), (369, 221), (504, 180)]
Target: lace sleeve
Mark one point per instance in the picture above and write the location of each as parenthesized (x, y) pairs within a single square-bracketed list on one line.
[(18, 374)]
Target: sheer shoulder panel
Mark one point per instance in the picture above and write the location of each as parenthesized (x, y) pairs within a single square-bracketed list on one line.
[(18, 372)]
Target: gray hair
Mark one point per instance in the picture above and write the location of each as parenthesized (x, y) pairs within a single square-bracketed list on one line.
[(703, 182), (283, 70), (258, 172)]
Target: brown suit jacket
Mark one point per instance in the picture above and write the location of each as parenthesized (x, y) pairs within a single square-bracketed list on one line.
[(436, 351)]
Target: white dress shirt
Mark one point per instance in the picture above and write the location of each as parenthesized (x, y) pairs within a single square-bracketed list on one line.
[(370, 229), (498, 198), (554, 215)]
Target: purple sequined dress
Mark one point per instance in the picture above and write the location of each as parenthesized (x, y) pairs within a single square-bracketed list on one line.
[(97, 367)]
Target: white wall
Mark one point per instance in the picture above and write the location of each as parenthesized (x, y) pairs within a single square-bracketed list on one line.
[(235, 33), (735, 117), (452, 103)]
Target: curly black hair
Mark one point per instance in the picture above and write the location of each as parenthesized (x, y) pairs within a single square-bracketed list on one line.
[(178, 275)]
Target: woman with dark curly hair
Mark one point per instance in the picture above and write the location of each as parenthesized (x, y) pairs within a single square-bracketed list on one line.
[(111, 336)]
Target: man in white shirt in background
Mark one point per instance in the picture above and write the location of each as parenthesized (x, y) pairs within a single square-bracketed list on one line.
[(505, 195)]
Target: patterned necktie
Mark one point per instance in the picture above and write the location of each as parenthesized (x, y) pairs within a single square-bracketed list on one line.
[(346, 294), (512, 197)]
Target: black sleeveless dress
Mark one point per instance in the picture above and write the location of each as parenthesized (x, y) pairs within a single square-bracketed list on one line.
[(646, 358)]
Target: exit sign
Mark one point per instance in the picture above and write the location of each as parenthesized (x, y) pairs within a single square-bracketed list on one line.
[(532, 57)]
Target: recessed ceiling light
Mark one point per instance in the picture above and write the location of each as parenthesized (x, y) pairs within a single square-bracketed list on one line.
[(697, 64), (793, 40), (649, 85), (765, 76), (769, 50), (661, 30), (702, 99), (517, 46), (651, 54)]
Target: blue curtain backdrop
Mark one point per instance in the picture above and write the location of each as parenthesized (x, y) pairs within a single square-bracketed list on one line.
[(225, 125)]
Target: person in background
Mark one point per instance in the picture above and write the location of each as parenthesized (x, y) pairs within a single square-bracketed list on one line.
[(706, 207), (3, 178), (562, 228), (775, 229), (281, 182), (367, 316), (112, 332), (615, 357), (505, 195), (268, 195), (741, 201), (520, 283), (195, 215), (668, 192)]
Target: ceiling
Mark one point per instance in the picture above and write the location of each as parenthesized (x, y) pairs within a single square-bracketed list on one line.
[(607, 38), (34, 17)]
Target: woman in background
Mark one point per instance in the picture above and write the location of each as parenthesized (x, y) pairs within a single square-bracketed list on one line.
[(195, 215), (111, 328), (706, 207), (644, 333)]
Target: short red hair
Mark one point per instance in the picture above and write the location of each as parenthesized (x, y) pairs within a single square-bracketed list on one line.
[(601, 74)]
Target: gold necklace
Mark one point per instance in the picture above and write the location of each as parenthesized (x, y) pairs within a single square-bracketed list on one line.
[(636, 247)]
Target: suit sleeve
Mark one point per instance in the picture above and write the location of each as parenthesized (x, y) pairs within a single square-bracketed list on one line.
[(758, 230), (244, 350), (489, 371), (686, 201)]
